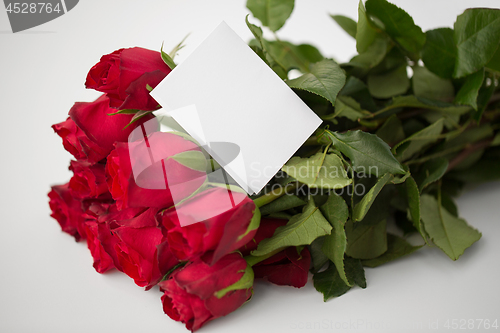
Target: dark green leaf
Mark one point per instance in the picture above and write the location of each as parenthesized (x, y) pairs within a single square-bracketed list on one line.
[(418, 141), (391, 131), (389, 84), (428, 85), (284, 203), (347, 107), (346, 23), (477, 35), (373, 54), (318, 258), (318, 171), (272, 13), (449, 233), (467, 95), (494, 63), (336, 212), (397, 247), (367, 152), (365, 33), (413, 199), (364, 205), (325, 79), (399, 25), (431, 171), (486, 170), (302, 229), (483, 98), (366, 240), (440, 52), (329, 283), (355, 272)]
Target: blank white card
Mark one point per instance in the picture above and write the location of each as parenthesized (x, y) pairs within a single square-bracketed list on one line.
[(225, 96)]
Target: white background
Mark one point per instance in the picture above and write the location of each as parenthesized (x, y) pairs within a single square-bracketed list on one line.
[(47, 283)]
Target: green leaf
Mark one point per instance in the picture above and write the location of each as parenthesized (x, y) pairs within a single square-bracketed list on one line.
[(486, 170), (389, 84), (124, 111), (325, 79), (192, 159), (391, 131), (367, 152), (178, 47), (293, 56), (411, 101), (272, 13), (467, 95), (334, 245), (346, 23), (440, 52), (365, 33), (483, 98), (477, 35), (413, 198), (140, 114), (302, 229), (494, 63), (167, 59), (329, 283), (366, 240), (355, 272), (286, 202), (431, 171), (364, 205), (449, 233), (428, 85), (398, 25), (397, 247), (418, 141), (318, 171), (373, 54), (319, 259), (347, 107)]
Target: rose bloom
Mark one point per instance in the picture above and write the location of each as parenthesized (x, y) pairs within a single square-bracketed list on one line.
[(88, 181), (124, 75), (90, 133), (228, 228), (130, 241), (198, 293), (67, 211), (159, 183), (286, 268)]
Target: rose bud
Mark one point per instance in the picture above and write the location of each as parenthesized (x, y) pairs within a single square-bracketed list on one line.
[(125, 76), (67, 211), (216, 219), (198, 293), (177, 170), (287, 267), (88, 181), (136, 245)]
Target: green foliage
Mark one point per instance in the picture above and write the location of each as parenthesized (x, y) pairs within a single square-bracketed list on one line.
[(272, 13)]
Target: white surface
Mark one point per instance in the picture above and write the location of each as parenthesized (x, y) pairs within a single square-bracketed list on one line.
[(47, 283), (237, 99)]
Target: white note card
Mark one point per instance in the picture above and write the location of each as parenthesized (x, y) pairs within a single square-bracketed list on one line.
[(237, 108)]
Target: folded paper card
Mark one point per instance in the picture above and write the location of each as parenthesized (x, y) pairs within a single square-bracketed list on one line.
[(224, 93)]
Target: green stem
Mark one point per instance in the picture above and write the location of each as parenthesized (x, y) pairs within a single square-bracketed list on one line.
[(275, 194)]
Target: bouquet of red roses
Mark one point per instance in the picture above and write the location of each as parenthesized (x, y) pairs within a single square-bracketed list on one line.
[(163, 220)]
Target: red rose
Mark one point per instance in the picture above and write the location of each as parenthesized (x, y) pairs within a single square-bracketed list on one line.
[(159, 183), (90, 133), (125, 74), (67, 211), (287, 267), (198, 292), (229, 226), (133, 242), (88, 181), (77, 143)]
